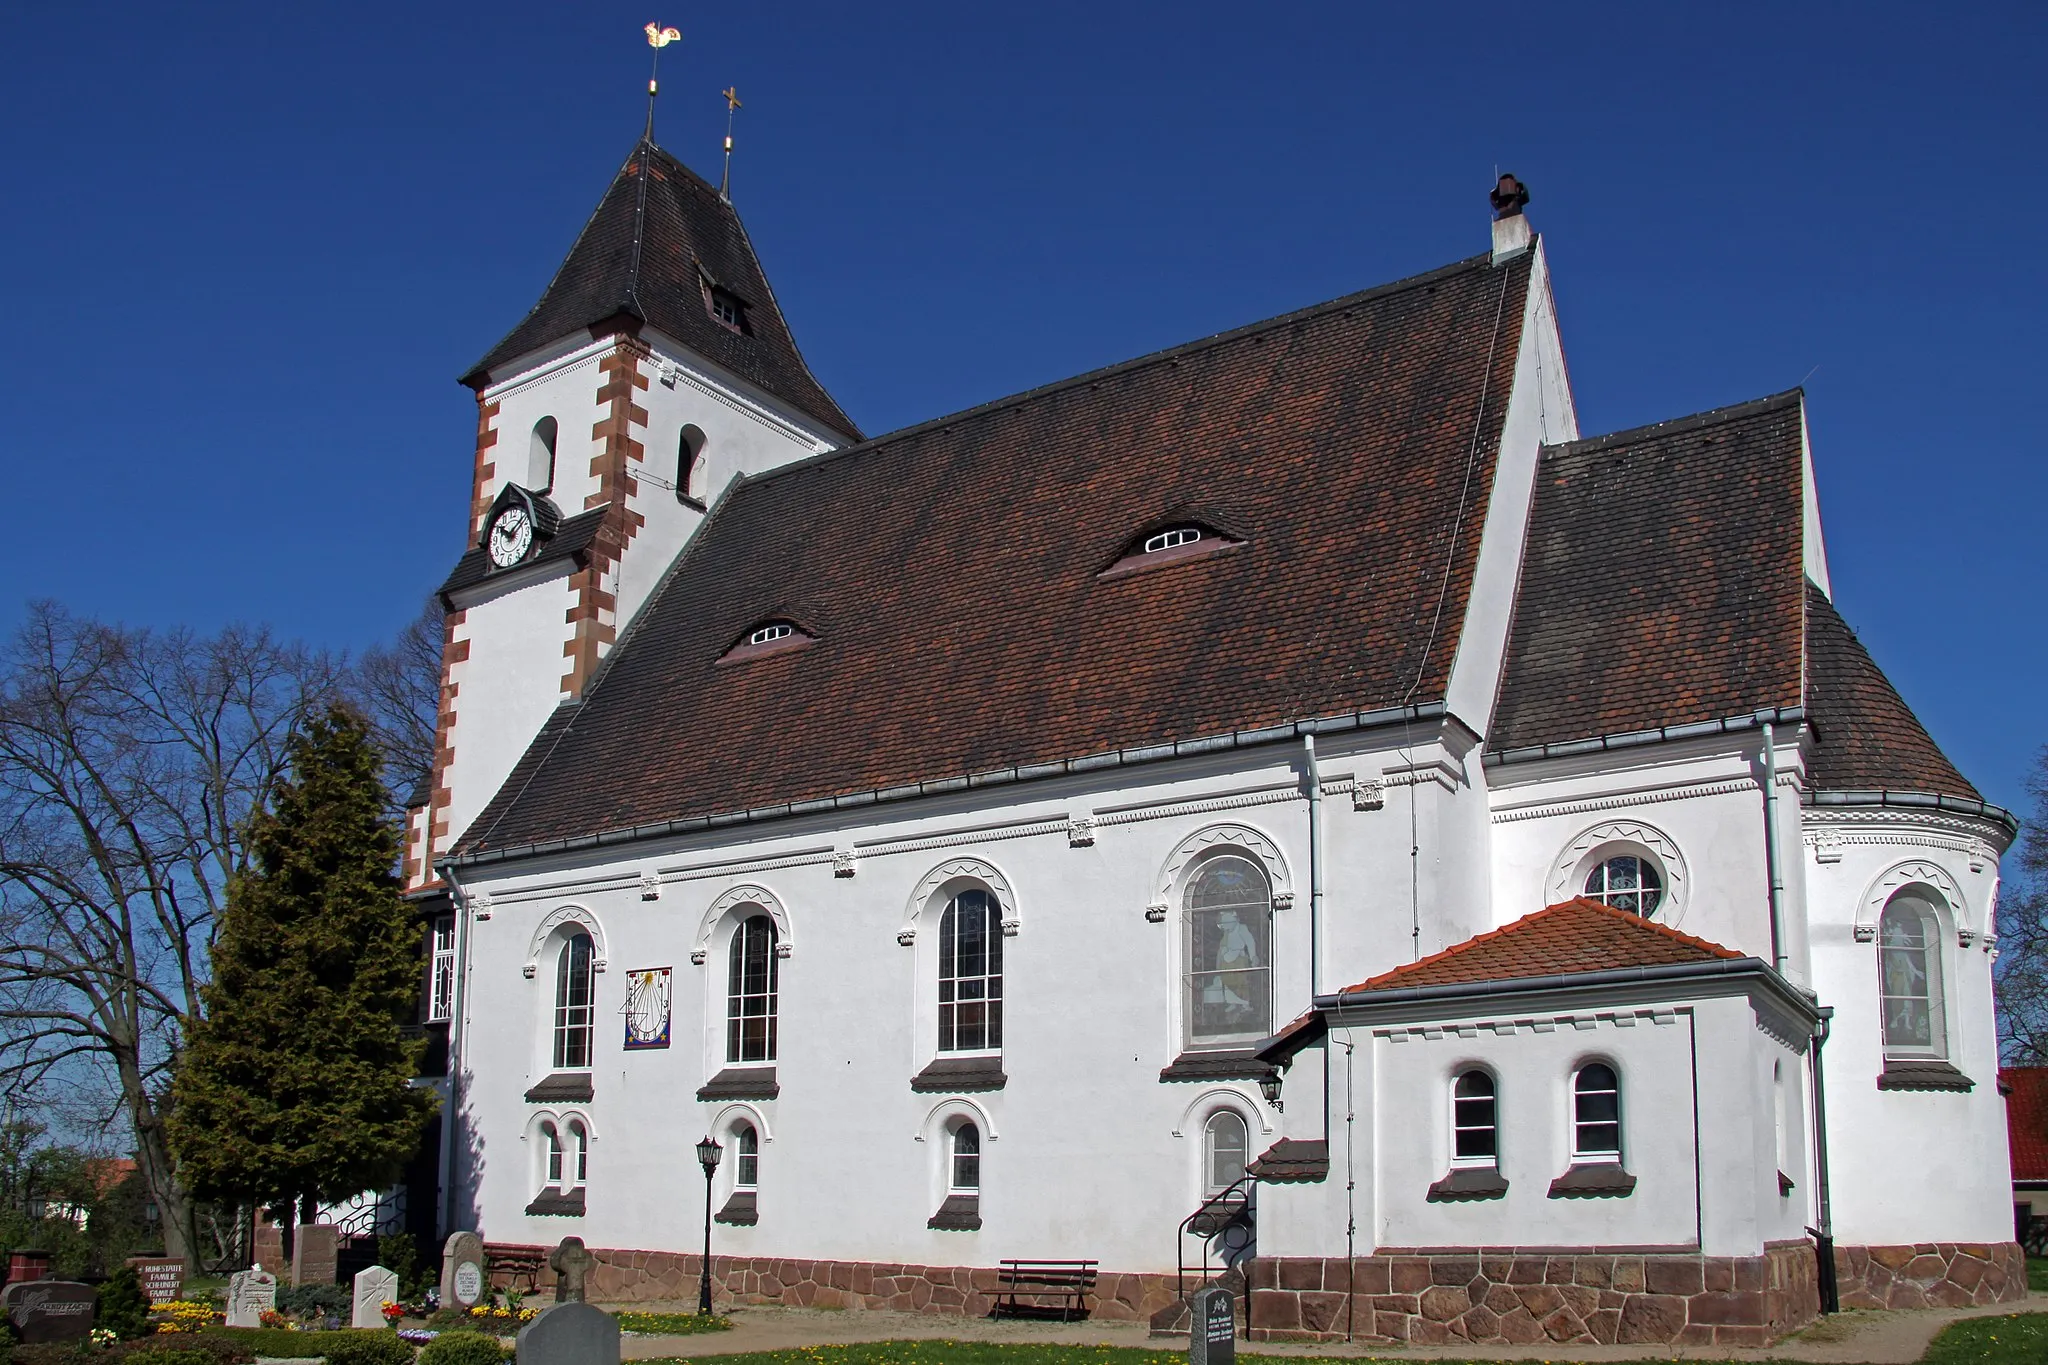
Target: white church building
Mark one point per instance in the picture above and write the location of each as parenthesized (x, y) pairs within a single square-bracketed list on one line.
[(1300, 752)]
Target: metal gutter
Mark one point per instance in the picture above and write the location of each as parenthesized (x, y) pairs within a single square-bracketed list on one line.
[(1630, 739), (1116, 758), (1916, 800)]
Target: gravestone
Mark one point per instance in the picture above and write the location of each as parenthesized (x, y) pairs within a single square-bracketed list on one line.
[(570, 1334), (375, 1287), (315, 1254), (462, 1271), (163, 1277), (251, 1294), (571, 1263), (269, 1251), (1212, 1328), (54, 1310)]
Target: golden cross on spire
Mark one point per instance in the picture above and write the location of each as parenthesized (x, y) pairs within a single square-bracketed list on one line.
[(657, 38), (732, 102)]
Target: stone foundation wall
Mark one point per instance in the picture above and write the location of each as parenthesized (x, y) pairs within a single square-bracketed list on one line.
[(1931, 1275), (1525, 1297)]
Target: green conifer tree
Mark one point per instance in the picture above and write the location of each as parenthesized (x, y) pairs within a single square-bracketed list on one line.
[(296, 1086)]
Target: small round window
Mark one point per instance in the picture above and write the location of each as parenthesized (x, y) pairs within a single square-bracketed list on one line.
[(1172, 539), (1628, 882)]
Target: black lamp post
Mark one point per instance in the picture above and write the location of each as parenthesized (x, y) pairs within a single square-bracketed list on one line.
[(708, 1152)]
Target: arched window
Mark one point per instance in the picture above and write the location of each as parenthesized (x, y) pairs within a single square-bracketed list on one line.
[(1596, 1113), (690, 464), (540, 456), (1475, 1132), (1628, 882), (551, 1145), (579, 1152), (971, 975), (1229, 953), (750, 992), (1909, 978), (746, 1171), (1226, 1151), (965, 1176), (575, 1019)]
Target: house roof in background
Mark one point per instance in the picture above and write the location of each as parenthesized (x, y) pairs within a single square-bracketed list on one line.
[(2026, 1119), (952, 573), (1577, 936), (660, 235)]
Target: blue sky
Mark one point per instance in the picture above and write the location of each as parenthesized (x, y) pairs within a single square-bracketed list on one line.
[(248, 249)]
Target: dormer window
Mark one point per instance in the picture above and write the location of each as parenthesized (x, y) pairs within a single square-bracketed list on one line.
[(1172, 540), (1174, 543), (726, 308), (777, 635)]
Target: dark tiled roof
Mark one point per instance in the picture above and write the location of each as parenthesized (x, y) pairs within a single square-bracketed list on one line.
[(1866, 737), (658, 235), (1293, 1161), (1578, 936), (950, 573), (1663, 579), (2026, 1119), (572, 537)]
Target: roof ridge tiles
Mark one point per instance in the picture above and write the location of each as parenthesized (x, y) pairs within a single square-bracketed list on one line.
[(1675, 426), (1578, 906), (1117, 369)]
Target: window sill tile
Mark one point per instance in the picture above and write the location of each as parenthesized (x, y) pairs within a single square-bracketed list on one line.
[(740, 1211), (947, 1074), (1593, 1180), (552, 1203), (960, 1213), (563, 1085), (1469, 1182), (1217, 1064), (1906, 1074), (741, 1083)]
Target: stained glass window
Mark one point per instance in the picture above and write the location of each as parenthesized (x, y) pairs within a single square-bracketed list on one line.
[(1475, 1136), (1909, 979), (971, 974), (750, 992), (1596, 1113), (1627, 883), (1229, 911), (574, 1017)]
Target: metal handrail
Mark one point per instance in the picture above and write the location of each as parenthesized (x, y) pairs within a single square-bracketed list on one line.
[(1227, 1203)]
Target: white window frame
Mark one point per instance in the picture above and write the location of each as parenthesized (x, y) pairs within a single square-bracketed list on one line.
[(441, 971), (989, 982), (738, 998), (1171, 539), (1210, 1154), (1599, 1155), (576, 1142), (1488, 1162), (570, 1019), (954, 1156), (552, 1161), (1923, 905), (742, 1178)]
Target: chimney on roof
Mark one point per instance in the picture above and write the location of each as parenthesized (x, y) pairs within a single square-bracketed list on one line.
[(1511, 234)]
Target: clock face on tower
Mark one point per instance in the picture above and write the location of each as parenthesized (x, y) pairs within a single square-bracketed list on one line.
[(511, 536)]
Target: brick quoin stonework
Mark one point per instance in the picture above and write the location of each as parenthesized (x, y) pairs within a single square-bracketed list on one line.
[(1931, 1275)]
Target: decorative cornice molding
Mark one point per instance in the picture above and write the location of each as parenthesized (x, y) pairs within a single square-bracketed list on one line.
[(1506, 1028), (1240, 838), (1901, 818), (555, 919), (955, 870), (1537, 810), (984, 834), (733, 898), (1167, 810)]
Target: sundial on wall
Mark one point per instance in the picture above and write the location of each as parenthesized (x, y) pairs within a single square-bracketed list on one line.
[(648, 995)]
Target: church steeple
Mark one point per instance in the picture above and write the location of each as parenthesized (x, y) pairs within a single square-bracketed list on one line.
[(665, 250)]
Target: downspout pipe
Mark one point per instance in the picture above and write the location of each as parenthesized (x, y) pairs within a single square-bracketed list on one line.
[(1773, 859), (458, 1008), (1824, 1212), (1315, 867)]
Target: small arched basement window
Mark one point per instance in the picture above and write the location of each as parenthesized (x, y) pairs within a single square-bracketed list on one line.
[(1596, 1113), (1226, 1151), (1475, 1130), (540, 456)]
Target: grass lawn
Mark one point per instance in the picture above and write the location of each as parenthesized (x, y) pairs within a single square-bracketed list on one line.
[(2037, 1272), (2014, 1339), (672, 1324)]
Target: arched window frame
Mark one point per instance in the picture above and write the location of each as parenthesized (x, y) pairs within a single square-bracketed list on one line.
[(691, 465), (576, 1169), (1193, 978), (1593, 846), (969, 984), (753, 988), (964, 1142), (746, 1156), (573, 1032), (1475, 1118), (1214, 1155), (1590, 1118), (540, 455), (552, 1156), (1912, 912)]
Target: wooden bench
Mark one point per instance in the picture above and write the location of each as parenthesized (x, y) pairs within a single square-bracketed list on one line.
[(515, 1263), (1067, 1281)]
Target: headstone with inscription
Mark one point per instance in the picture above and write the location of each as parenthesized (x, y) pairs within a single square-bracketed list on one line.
[(50, 1310), (462, 1271), (570, 1334), (316, 1254), (163, 1277), (251, 1294), (375, 1287), (1212, 1328)]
